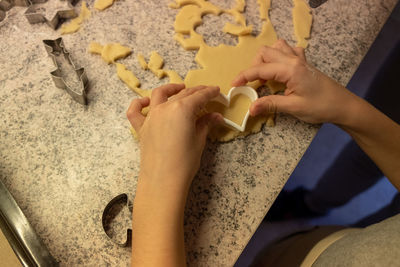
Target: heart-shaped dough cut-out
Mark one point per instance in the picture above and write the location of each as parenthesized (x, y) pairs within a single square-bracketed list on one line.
[(226, 101)]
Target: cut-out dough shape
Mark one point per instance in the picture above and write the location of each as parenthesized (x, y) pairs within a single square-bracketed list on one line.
[(236, 123), (103, 4), (302, 20), (110, 52), (75, 24)]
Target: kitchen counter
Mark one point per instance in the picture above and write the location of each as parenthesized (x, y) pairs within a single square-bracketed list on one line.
[(63, 162)]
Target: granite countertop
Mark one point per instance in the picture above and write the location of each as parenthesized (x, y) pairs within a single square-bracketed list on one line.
[(63, 162)]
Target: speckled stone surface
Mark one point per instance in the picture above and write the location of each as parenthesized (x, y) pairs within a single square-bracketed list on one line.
[(64, 162)]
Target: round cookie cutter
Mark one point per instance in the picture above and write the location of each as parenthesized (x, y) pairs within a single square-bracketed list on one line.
[(226, 100)]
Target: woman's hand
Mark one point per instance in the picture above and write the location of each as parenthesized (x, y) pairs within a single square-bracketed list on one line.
[(172, 135), (310, 95), (313, 97), (172, 138)]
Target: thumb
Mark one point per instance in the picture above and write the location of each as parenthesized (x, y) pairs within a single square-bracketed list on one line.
[(270, 104), (207, 122)]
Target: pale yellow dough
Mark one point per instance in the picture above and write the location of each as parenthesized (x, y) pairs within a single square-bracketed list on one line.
[(131, 80), (219, 65), (156, 64), (222, 63), (103, 4), (302, 20), (75, 24), (110, 52), (142, 61)]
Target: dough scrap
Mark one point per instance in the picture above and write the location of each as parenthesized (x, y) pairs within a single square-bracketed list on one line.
[(156, 64), (131, 80), (95, 48), (240, 5), (103, 4), (264, 6), (302, 21), (110, 52), (75, 24), (142, 61)]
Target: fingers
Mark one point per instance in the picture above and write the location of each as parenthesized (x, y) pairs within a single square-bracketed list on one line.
[(266, 71), (188, 91), (283, 46), (207, 122), (134, 114), (268, 54), (280, 52), (200, 98), (161, 94), (271, 104), (300, 52)]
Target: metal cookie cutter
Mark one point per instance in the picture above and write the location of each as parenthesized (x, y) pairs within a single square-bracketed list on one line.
[(34, 13), (120, 199), (6, 5), (55, 48), (226, 100)]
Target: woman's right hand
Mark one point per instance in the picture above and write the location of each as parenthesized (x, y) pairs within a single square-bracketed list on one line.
[(310, 95)]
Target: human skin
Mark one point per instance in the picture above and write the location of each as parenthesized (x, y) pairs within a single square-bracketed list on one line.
[(173, 135), (313, 97), (172, 138)]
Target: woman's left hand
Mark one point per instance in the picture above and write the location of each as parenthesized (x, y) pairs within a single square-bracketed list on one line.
[(173, 134)]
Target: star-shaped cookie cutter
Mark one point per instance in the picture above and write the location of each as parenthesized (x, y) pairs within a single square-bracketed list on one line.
[(34, 13), (6, 5), (55, 48)]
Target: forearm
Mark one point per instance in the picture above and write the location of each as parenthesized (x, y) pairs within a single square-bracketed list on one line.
[(157, 230), (376, 134)]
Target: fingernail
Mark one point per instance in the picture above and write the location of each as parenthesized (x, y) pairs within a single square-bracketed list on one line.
[(235, 81)]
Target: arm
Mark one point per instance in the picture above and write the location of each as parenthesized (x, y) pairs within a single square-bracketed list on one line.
[(313, 97), (167, 168), (377, 135)]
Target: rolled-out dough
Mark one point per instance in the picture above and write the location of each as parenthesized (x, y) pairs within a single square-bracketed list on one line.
[(220, 65)]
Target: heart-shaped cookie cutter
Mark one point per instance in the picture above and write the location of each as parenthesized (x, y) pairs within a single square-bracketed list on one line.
[(226, 101)]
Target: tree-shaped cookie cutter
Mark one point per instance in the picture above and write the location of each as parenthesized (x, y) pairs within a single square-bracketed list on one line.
[(226, 100), (55, 48)]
